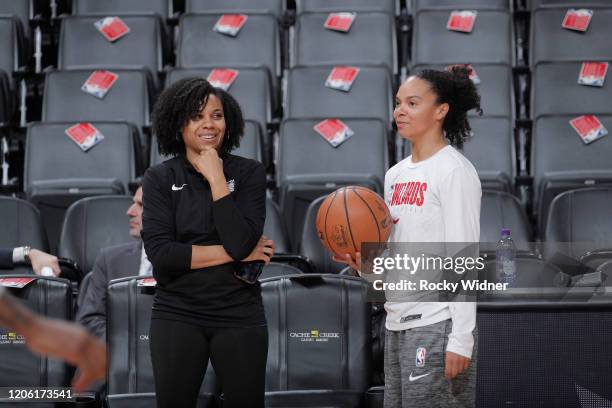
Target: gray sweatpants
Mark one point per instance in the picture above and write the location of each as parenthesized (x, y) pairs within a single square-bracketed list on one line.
[(414, 370)]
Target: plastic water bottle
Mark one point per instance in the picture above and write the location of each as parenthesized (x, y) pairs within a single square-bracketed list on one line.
[(505, 255)]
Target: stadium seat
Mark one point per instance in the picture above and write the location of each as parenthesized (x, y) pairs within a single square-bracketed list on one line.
[(18, 269), (502, 210), (82, 289), (128, 100), (7, 99), (275, 229), (252, 88), (50, 297), (369, 97), (276, 269), (375, 397), (391, 7), (91, 224), (148, 400), (362, 160), (310, 243), (81, 46), (257, 44), (21, 225), (57, 172), (491, 150), (496, 88), (555, 91), (276, 7), (560, 161), (54, 162), (130, 373), (11, 61), (550, 42), (567, 3), (531, 273), (162, 8), (306, 340), (16, 47), (22, 11), (370, 41), (250, 145), (490, 42), (579, 221), (155, 156), (11, 48), (417, 5)]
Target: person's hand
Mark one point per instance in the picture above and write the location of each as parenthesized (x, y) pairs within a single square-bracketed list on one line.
[(454, 364), (209, 164), (40, 259), (263, 251), (353, 263), (72, 343)]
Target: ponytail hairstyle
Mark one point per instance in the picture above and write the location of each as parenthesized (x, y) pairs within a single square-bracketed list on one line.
[(457, 89)]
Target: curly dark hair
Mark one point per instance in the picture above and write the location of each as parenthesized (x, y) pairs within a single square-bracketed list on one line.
[(454, 87), (182, 101)]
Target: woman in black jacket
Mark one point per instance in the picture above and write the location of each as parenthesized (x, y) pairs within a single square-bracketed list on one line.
[(203, 218)]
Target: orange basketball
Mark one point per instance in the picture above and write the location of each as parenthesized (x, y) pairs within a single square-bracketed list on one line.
[(351, 216)]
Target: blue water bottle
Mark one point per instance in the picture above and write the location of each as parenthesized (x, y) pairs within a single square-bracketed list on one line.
[(505, 255)]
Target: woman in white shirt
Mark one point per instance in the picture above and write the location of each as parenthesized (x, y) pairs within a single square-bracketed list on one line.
[(433, 196)]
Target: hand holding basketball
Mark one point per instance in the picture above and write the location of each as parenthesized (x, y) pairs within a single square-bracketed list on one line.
[(349, 217), (353, 263)]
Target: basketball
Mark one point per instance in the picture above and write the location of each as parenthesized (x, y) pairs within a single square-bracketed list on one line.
[(351, 216)]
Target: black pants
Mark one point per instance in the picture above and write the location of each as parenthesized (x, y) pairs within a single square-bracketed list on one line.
[(180, 353)]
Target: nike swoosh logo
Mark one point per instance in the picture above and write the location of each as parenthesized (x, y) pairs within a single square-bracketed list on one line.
[(411, 378), (395, 220), (175, 188)]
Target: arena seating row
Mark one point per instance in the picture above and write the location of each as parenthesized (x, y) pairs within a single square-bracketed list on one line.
[(491, 41), (579, 216), (493, 149), (147, 47), (305, 340), (51, 180)]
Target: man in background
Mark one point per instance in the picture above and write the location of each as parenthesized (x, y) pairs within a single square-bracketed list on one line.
[(114, 262)]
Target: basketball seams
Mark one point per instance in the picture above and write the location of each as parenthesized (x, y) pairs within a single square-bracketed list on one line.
[(325, 220), (383, 203), (335, 226), (348, 220), (371, 212)]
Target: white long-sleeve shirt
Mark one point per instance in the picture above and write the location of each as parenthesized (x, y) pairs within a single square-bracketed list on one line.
[(435, 200)]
